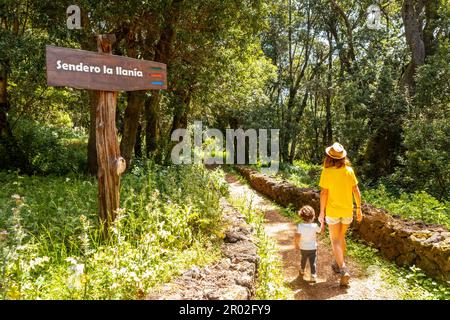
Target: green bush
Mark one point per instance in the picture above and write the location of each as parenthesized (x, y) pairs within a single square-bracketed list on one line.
[(417, 206), (302, 174), (45, 149), (426, 164)]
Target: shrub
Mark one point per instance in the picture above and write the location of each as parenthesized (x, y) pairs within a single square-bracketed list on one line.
[(426, 164), (417, 206), (46, 149)]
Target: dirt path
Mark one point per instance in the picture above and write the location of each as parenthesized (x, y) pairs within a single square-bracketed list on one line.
[(282, 230)]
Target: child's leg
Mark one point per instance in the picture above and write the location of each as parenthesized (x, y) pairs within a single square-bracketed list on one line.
[(303, 260), (313, 261)]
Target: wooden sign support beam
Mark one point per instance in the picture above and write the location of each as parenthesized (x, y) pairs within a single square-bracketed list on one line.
[(110, 164)]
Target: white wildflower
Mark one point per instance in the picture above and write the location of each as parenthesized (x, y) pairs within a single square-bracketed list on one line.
[(71, 260), (122, 271), (38, 261), (77, 269)]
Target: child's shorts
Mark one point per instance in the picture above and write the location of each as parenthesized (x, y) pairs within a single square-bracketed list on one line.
[(346, 220)]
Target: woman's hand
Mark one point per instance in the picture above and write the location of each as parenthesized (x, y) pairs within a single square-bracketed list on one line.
[(322, 218), (359, 215)]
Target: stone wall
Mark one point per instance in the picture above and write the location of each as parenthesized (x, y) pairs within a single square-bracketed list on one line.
[(404, 241), (233, 277), (281, 192)]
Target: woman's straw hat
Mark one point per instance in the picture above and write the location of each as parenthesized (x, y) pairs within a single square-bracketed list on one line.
[(336, 151)]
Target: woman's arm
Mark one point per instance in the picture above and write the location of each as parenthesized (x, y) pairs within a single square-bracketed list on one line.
[(357, 195), (323, 205)]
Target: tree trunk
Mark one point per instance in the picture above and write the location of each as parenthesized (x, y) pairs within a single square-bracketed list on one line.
[(152, 122), (162, 54), (92, 148), (181, 111), (88, 43), (293, 149), (138, 143), (413, 35), (180, 118), (297, 119), (15, 156), (431, 14), (328, 136), (420, 40), (4, 104), (110, 164), (131, 122)]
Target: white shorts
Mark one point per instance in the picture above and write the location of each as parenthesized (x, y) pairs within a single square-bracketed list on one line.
[(346, 220)]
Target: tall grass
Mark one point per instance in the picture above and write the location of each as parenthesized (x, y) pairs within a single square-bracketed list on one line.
[(50, 246)]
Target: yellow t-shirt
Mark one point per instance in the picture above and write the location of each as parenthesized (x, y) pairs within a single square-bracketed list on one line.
[(339, 183)]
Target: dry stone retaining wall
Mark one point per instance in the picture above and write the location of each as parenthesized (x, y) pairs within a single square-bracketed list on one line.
[(403, 241), (231, 278)]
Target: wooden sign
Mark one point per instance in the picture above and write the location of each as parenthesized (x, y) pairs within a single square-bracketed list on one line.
[(96, 71), (105, 74)]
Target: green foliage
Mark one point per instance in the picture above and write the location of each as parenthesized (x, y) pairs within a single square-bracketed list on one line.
[(301, 173), (304, 174), (47, 149), (236, 87), (417, 206), (427, 159), (432, 85), (53, 248)]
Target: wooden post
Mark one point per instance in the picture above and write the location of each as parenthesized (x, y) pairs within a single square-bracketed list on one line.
[(110, 164)]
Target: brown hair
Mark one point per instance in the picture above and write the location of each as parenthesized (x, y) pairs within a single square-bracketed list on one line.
[(307, 213), (338, 163)]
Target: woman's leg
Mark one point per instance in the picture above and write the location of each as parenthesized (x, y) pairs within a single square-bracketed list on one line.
[(343, 231), (336, 243)]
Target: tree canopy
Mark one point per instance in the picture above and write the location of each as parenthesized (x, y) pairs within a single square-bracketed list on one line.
[(314, 69)]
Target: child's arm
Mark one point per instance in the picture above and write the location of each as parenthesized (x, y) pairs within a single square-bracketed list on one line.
[(297, 240), (321, 228)]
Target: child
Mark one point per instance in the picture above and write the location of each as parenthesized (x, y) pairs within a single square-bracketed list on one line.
[(305, 240)]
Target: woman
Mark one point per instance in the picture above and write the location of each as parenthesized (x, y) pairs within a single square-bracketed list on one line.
[(338, 185)]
